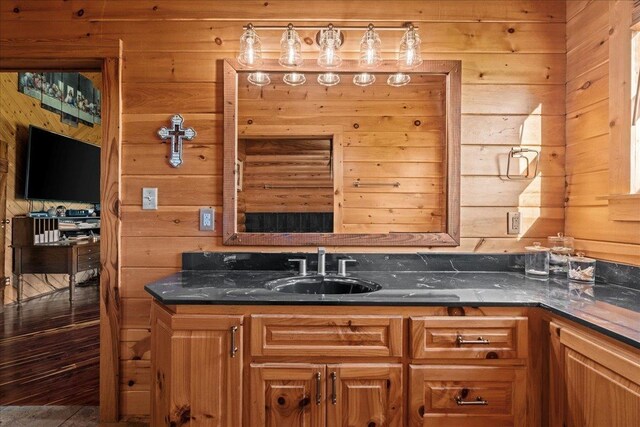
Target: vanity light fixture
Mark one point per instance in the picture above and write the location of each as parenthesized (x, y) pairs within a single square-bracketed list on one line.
[(290, 48), (330, 43), (398, 79), (250, 48), (328, 79), (409, 55), (364, 79), (259, 78), (294, 79), (370, 49)]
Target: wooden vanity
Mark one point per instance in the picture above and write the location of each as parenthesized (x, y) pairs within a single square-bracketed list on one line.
[(262, 365)]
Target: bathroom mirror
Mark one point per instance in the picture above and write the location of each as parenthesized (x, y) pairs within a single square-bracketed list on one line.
[(314, 157)]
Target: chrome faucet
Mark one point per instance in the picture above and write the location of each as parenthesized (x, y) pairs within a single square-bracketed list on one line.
[(322, 252)]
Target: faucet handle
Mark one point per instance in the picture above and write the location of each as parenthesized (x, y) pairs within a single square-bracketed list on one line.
[(342, 265), (302, 265)]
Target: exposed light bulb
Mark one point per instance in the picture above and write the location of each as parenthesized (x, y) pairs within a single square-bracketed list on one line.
[(370, 49), (250, 48)]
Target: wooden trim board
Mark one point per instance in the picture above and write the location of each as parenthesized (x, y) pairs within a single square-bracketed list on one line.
[(231, 235)]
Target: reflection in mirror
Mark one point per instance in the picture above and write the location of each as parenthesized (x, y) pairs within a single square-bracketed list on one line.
[(287, 185), (343, 158)]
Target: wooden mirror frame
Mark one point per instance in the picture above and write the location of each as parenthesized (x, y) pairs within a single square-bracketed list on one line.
[(451, 70)]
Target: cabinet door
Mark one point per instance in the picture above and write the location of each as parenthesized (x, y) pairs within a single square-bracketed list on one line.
[(288, 395), (465, 395), (364, 395), (599, 385), (196, 374)]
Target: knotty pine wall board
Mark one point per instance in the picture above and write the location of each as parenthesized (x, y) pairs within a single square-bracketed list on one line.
[(513, 67)]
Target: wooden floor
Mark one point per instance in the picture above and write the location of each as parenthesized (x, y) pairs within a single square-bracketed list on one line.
[(49, 350)]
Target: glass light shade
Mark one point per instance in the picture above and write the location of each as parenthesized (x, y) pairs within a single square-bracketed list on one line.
[(290, 48), (409, 55), (328, 79), (364, 79), (259, 78), (294, 79), (398, 79), (250, 48), (370, 49), (330, 48)]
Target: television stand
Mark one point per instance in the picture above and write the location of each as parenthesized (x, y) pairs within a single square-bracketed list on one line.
[(55, 246)]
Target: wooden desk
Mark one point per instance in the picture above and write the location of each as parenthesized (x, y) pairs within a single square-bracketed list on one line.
[(56, 258)]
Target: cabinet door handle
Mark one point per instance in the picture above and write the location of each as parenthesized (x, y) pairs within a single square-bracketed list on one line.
[(460, 340), (334, 392), (234, 346), (478, 402), (318, 388)]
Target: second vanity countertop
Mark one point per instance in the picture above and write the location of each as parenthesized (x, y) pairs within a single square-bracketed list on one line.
[(610, 309)]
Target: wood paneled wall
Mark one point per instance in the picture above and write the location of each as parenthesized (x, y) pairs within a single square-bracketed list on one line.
[(17, 112), (410, 151), (589, 137), (513, 66), (277, 175)]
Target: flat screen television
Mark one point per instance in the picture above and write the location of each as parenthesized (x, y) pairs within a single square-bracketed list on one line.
[(61, 168)]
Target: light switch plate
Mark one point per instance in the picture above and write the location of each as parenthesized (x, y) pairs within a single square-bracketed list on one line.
[(513, 222), (149, 198), (207, 219)]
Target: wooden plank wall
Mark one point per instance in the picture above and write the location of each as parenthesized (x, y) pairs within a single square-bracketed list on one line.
[(409, 151), (17, 112), (291, 167), (513, 55), (588, 137)]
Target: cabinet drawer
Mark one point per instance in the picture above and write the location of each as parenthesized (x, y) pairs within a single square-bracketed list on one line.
[(467, 395), (468, 337), (360, 336), (88, 249), (89, 258)]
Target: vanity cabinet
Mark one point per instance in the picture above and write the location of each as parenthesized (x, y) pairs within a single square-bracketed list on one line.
[(593, 383), (294, 394), (196, 371), (268, 366)]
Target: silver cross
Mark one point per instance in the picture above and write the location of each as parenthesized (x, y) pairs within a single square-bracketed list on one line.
[(176, 133)]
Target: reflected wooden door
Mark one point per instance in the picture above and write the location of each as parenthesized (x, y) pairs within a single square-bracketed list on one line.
[(4, 170)]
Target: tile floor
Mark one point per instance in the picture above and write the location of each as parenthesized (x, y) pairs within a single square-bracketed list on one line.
[(49, 416)]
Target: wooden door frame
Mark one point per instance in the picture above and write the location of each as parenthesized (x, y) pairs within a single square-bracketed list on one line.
[(105, 56)]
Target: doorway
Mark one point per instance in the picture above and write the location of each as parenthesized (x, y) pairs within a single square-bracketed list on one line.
[(91, 56)]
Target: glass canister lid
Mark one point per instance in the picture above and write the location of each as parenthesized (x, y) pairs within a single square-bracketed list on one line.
[(536, 248), (561, 240), (579, 257)]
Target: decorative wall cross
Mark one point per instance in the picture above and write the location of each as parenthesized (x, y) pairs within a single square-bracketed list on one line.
[(176, 133)]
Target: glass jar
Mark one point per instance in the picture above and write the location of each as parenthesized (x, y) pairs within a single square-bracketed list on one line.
[(536, 261), (582, 269), (560, 248)]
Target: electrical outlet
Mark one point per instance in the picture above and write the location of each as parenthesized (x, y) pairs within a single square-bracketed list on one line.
[(207, 219), (513, 223), (150, 198)]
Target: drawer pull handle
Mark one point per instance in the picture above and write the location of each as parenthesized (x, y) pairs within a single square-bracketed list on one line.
[(318, 388), (461, 341), (478, 402), (334, 394), (234, 346)]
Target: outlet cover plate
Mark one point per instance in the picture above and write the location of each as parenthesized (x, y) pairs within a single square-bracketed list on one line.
[(149, 198), (513, 222), (207, 219)]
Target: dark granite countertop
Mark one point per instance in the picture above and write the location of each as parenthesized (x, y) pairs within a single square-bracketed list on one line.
[(611, 309)]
